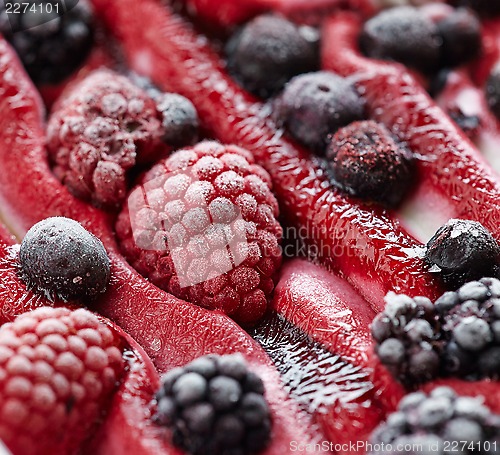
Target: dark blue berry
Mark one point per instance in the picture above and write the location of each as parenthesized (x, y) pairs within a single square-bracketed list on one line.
[(58, 257), (268, 51), (179, 119), (315, 105), (215, 406), (368, 163), (493, 90), (51, 45), (402, 34), (460, 32), (461, 251), (424, 422)]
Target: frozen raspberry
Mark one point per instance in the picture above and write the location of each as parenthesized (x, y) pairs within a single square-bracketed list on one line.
[(59, 257), (367, 162), (52, 38), (202, 226), (57, 370), (461, 251), (460, 32), (403, 34), (313, 106), (104, 127), (408, 338), (215, 406), (268, 51), (423, 423)]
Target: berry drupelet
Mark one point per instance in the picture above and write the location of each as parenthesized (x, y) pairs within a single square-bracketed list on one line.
[(423, 423), (59, 258), (51, 41), (402, 34), (461, 251), (367, 162), (408, 338), (215, 405), (315, 105), (268, 51)]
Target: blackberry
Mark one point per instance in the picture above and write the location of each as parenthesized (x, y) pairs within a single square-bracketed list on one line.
[(268, 51), (427, 421), (367, 162), (315, 105), (407, 336), (51, 42), (461, 251), (59, 257), (493, 90), (402, 34), (460, 32), (215, 405), (470, 319)]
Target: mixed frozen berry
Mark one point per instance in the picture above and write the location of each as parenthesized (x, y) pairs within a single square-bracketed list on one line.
[(57, 369), (106, 125), (268, 51), (461, 251), (215, 405), (457, 336), (60, 258), (408, 338), (425, 423), (202, 226), (403, 34), (315, 105), (367, 162), (51, 39)]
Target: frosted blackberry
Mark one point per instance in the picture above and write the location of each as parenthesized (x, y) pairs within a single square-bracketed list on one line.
[(461, 251), (407, 338), (427, 421), (315, 105), (215, 405), (493, 90), (58, 257), (51, 45), (471, 328), (268, 51), (403, 34), (460, 32), (366, 161)]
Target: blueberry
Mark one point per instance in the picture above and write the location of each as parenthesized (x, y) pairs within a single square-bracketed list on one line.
[(58, 257), (461, 35), (51, 45), (179, 119), (315, 105), (268, 51), (367, 162), (462, 251), (493, 90), (403, 34)]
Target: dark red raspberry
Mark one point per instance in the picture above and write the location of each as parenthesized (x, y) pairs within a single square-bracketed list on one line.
[(202, 225), (99, 131), (57, 370)]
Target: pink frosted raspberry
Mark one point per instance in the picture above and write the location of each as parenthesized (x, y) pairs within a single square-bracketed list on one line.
[(57, 370), (105, 126), (202, 226)]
